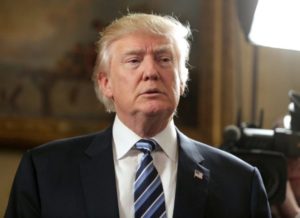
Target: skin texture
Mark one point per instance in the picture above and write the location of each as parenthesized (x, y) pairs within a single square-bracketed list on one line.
[(143, 81), (290, 207), (294, 176)]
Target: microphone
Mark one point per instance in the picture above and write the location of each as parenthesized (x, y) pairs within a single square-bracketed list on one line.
[(231, 135)]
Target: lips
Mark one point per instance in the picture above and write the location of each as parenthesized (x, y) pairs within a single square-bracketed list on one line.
[(152, 92)]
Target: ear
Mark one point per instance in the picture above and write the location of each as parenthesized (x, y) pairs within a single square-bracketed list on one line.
[(104, 84)]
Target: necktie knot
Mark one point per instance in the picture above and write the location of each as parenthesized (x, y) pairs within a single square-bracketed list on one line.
[(146, 145)]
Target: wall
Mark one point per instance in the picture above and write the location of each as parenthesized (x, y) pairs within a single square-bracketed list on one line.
[(9, 161), (279, 72), (243, 77)]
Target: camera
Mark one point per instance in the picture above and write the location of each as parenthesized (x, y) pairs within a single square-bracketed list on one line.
[(268, 149)]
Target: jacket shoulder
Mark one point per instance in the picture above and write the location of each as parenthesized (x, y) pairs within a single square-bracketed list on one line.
[(67, 146), (212, 156)]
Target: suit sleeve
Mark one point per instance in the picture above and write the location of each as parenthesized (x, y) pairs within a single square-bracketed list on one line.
[(260, 207), (24, 197)]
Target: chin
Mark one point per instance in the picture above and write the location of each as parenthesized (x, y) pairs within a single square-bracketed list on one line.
[(154, 111)]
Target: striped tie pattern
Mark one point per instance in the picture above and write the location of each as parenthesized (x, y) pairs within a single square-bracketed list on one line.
[(149, 200)]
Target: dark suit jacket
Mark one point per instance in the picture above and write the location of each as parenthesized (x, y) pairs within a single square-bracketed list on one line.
[(76, 178)]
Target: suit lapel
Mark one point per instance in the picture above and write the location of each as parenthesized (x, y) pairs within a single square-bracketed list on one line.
[(98, 177), (192, 181)]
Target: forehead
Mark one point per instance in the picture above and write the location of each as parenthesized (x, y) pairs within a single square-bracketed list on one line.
[(141, 41)]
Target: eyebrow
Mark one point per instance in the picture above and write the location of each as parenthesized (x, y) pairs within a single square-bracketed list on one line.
[(163, 49), (133, 52), (157, 50)]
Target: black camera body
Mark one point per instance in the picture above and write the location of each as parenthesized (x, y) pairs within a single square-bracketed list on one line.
[(268, 149), (280, 140)]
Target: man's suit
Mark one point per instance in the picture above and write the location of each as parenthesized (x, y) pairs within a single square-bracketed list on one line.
[(76, 178)]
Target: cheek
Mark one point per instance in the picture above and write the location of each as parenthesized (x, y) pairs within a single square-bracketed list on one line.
[(124, 86), (176, 84)]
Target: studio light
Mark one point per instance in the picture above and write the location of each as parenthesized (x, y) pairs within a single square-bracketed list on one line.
[(276, 23)]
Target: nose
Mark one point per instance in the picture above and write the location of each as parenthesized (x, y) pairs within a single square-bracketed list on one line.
[(150, 70)]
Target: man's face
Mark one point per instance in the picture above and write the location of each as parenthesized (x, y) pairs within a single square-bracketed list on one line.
[(143, 77)]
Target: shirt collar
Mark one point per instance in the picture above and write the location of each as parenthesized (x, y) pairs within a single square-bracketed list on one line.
[(124, 138)]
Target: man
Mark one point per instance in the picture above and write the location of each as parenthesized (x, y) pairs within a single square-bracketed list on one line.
[(140, 74)]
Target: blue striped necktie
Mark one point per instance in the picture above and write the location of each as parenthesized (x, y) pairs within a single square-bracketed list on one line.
[(149, 199)]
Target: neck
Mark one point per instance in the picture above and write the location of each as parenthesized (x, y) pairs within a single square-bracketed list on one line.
[(146, 126)]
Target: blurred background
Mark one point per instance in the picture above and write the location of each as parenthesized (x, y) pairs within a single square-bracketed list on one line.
[(47, 53)]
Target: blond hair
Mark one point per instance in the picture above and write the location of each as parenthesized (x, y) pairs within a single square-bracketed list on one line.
[(167, 26)]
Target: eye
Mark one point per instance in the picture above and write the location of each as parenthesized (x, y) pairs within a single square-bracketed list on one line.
[(165, 60), (133, 61)]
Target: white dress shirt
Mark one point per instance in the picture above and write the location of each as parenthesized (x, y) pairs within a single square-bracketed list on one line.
[(126, 162)]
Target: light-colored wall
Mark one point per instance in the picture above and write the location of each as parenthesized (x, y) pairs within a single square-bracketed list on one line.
[(279, 72), (9, 161)]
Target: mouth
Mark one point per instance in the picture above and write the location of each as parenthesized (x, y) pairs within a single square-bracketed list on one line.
[(152, 92)]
